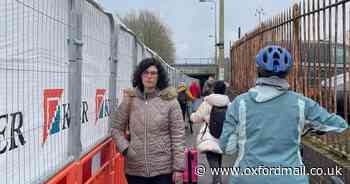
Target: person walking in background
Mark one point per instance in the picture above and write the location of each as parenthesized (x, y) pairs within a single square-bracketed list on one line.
[(154, 154), (195, 89), (184, 97), (207, 87), (212, 114)]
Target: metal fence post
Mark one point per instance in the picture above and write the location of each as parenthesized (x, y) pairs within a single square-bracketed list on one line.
[(296, 48), (113, 67), (143, 52), (134, 53), (75, 76)]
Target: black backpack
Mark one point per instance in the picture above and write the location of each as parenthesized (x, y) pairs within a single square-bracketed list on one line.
[(216, 122)]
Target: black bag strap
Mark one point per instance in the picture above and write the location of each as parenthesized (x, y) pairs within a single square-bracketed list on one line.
[(205, 129)]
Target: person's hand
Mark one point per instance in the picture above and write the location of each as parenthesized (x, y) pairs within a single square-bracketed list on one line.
[(207, 118), (129, 152), (177, 177), (125, 152)]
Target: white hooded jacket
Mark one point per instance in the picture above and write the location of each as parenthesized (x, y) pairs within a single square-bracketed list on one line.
[(205, 141), (202, 115)]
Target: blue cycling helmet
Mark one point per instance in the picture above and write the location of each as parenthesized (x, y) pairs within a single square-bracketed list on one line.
[(274, 59)]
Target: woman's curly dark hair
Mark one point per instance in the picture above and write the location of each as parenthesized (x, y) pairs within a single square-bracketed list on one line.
[(163, 80)]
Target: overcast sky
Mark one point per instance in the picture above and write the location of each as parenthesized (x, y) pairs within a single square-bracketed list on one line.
[(191, 21)]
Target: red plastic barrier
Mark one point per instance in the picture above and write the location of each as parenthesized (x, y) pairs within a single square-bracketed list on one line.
[(100, 166)]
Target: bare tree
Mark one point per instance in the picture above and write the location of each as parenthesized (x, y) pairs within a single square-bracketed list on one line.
[(154, 33)]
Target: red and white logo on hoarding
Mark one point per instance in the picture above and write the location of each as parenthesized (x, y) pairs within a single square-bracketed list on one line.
[(52, 112), (99, 101)]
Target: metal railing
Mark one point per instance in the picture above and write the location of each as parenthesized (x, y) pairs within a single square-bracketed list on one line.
[(317, 33), (195, 61)]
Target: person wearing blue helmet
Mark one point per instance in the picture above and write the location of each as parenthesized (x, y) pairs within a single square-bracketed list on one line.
[(264, 126)]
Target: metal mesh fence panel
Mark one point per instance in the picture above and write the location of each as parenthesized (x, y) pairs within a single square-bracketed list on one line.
[(43, 67), (33, 64), (125, 61), (139, 53), (148, 53), (95, 74)]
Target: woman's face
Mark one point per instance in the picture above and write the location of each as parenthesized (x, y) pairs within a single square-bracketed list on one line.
[(150, 77)]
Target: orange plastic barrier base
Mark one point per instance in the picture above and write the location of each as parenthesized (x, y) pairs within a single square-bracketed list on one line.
[(102, 165)]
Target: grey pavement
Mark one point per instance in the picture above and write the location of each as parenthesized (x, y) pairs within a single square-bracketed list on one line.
[(227, 161)]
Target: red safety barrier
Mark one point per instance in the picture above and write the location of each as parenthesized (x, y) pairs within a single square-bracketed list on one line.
[(100, 166), (120, 176), (69, 175)]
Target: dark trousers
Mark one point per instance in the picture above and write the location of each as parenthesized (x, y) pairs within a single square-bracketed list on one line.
[(215, 161), (184, 110), (161, 179)]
